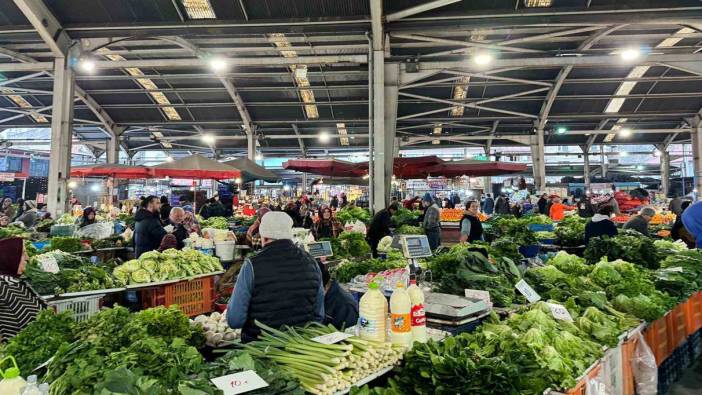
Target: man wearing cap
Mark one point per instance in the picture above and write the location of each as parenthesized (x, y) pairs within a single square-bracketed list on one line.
[(432, 221), (280, 285)]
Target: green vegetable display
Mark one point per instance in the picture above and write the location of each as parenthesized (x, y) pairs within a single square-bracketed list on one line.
[(171, 264), (66, 244), (346, 215), (13, 231), (571, 231), (351, 245), (629, 246), (75, 274), (404, 216), (347, 270), (279, 382), (39, 340), (409, 230), (215, 222), (44, 225)]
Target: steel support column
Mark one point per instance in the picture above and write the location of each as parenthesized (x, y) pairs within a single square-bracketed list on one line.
[(586, 167), (696, 136), (61, 137), (251, 146), (665, 172), (537, 160), (113, 145)]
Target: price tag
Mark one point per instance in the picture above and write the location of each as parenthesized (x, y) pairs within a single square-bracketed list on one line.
[(48, 263), (331, 338), (674, 269), (527, 291), (478, 294), (238, 383), (560, 312)]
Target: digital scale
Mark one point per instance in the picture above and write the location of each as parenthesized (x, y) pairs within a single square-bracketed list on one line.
[(413, 248), (319, 249), (452, 310)]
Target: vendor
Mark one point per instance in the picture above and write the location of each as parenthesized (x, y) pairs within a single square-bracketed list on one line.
[(280, 285), (471, 228), (148, 231), (252, 234), (165, 209), (176, 218), (600, 224), (677, 232), (432, 221), (640, 222), (88, 217), (327, 226), (557, 210), (340, 308), (19, 304), (29, 214), (380, 226), (7, 209), (305, 217)]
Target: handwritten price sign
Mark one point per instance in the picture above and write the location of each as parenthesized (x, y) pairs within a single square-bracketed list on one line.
[(238, 383), (527, 291), (331, 338), (560, 312)]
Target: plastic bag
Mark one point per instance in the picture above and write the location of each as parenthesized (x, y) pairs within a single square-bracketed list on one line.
[(98, 231), (356, 226), (644, 367)]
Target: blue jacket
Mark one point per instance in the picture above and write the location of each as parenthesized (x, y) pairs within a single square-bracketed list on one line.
[(692, 219)]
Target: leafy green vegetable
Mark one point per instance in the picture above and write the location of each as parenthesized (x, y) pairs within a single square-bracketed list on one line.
[(352, 245), (13, 231), (409, 230), (215, 222), (347, 270), (279, 382), (170, 264), (404, 216), (346, 215), (629, 246), (66, 244), (571, 231)]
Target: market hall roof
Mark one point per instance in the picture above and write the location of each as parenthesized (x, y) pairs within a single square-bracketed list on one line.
[(165, 98)]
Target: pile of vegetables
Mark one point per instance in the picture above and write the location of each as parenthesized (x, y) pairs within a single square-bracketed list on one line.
[(13, 231), (322, 368), (217, 331), (346, 215), (279, 381), (347, 269), (171, 264), (44, 225), (409, 230), (109, 242), (127, 219), (149, 352), (39, 340), (350, 245), (571, 231), (680, 274), (75, 274), (66, 244), (466, 267), (66, 219), (214, 222), (404, 216), (628, 245), (244, 220)]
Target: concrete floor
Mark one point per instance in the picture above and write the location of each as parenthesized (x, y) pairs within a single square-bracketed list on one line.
[(690, 383)]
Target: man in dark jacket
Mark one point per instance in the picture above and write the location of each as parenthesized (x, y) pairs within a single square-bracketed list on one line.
[(640, 222), (165, 209), (585, 208), (600, 225), (380, 226), (340, 308), (543, 200), (488, 205), (502, 205), (216, 208), (148, 231), (280, 285)]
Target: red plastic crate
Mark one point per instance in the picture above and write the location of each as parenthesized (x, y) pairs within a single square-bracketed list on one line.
[(676, 327), (193, 297), (628, 348), (693, 313), (657, 338)]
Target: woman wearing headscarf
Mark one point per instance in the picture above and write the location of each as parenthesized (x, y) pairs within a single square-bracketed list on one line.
[(327, 226), (190, 223), (6, 209), (88, 217), (19, 303), (252, 234)]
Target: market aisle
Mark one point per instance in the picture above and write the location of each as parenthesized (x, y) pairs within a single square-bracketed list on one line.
[(690, 383)]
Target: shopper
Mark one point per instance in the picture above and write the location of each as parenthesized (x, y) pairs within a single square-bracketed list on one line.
[(73, 201), (29, 214), (340, 308), (471, 228), (334, 204), (543, 201), (88, 217), (252, 235), (488, 205), (185, 204), (611, 201), (165, 209), (502, 205), (176, 218), (585, 208), (205, 209), (280, 285), (692, 219), (432, 221), (516, 210), (148, 231), (293, 212), (216, 208), (557, 210), (4, 221), (305, 217), (19, 304), (327, 226), (343, 200), (20, 210), (380, 226), (7, 209), (190, 223), (640, 222), (675, 205), (600, 225), (678, 231)]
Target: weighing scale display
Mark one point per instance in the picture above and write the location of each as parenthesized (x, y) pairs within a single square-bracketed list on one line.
[(416, 246), (320, 249)]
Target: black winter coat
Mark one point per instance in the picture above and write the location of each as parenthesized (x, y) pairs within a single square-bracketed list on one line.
[(148, 232)]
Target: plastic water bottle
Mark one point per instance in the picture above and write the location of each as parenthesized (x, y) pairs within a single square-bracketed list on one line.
[(372, 314), (400, 316), (11, 383), (31, 388), (419, 320), (44, 388)]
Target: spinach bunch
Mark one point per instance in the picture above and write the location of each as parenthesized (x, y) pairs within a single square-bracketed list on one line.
[(629, 246), (571, 231)]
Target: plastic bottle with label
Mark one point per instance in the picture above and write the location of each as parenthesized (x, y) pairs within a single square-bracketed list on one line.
[(372, 314), (419, 320), (32, 388), (11, 383), (400, 316)]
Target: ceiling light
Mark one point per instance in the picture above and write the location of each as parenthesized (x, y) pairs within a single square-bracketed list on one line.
[(623, 153), (86, 65), (72, 184), (483, 59), (561, 129), (629, 54), (624, 132), (169, 159), (208, 139), (323, 137), (537, 3), (218, 64), (639, 167), (259, 157)]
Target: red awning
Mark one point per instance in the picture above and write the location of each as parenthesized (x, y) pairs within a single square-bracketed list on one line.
[(112, 170), (198, 167), (327, 167), (474, 168)]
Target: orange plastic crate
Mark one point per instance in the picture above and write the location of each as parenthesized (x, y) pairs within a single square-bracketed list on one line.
[(693, 313), (657, 338), (628, 347), (676, 327), (581, 387), (193, 297)]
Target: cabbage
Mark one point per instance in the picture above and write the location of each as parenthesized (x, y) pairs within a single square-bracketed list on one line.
[(121, 275), (131, 266), (150, 265), (385, 244), (140, 276)]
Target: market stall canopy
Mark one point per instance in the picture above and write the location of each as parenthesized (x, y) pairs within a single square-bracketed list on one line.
[(360, 181), (250, 171), (473, 168), (112, 170), (196, 166), (327, 167)]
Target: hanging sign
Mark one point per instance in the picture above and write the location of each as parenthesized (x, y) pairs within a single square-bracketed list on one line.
[(7, 177)]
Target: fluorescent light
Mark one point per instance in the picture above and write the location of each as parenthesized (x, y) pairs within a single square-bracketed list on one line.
[(624, 132), (623, 153), (537, 3), (561, 129), (286, 187), (86, 65), (323, 137), (218, 64), (483, 58), (208, 139), (198, 9), (169, 159), (259, 157), (639, 167), (629, 54)]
